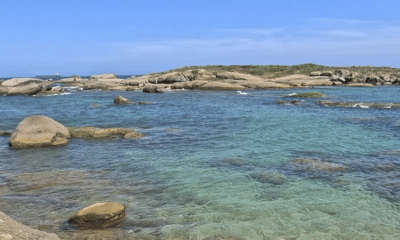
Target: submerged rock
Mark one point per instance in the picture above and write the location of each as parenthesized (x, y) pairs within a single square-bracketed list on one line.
[(39, 131), (11, 229), (121, 100), (360, 104), (309, 164), (145, 102), (99, 215), (269, 177), (100, 133), (308, 95)]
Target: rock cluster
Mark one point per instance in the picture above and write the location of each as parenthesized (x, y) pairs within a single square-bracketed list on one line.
[(41, 131), (343, 76), (24, 86)]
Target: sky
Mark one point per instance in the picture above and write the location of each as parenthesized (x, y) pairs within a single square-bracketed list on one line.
[(138, 37)]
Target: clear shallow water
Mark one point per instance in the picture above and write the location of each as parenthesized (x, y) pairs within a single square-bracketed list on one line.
[(213, 164)]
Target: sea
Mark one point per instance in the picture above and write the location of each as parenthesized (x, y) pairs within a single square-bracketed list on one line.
[(212, 165)]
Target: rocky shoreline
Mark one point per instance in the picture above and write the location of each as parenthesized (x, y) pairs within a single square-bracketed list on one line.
[(199, 79)]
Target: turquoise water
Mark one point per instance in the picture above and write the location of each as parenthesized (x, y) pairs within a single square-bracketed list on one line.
[(213, 164)]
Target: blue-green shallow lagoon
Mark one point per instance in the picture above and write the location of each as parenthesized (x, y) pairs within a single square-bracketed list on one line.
[(213, 164)]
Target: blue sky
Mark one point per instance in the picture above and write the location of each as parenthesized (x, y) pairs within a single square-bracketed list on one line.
[(136, 37)]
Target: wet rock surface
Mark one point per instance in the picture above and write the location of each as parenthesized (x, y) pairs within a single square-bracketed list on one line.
[(99, 215), (121, 100), (360, 104), (39, 131), (102, 133), (11, 229)]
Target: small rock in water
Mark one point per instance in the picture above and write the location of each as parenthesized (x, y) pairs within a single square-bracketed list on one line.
[(145, 102), (99, 215), (121, 100)]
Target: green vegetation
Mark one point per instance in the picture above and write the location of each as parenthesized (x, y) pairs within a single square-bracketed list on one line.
[(275, 71), (308, 95)]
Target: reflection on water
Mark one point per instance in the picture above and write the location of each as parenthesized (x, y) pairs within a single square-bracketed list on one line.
[(213, 165)]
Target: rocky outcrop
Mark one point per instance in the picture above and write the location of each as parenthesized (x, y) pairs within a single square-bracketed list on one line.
[(152, 89), (92, 133), (307, 95), (99, 215), (103, 76), (25, 88), (121, 100), (169, 78), (39, 131), (315, 74), (360, 104), (21, 82), (220, 86), (5, 133), (11, 229)]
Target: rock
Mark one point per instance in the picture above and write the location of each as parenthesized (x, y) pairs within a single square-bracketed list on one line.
[(152, 89), (294, 101), (121, 100), (103, 85), (30, 89), (21, 82), (308, 95), (5, 133), (282, 102), (372, 79), (11, 229), (342, 73), (99, 215), (39, 131), (133, 135), (326, 73), (338, 79), (315, 74), (360, 104), (170, 78), (103, 76), (359, 85), (220, 86), (309, 164), (99, 133), (263, 85), (270, 177), (145, 102)]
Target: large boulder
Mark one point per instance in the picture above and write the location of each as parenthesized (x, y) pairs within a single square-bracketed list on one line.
[(99, 215), (11, 229), (21, 82), (121, 100), (39, 131), (170, 78), (101, 133), (29, 89)]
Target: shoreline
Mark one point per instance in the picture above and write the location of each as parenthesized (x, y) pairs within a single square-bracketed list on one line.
[(213, 78)]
